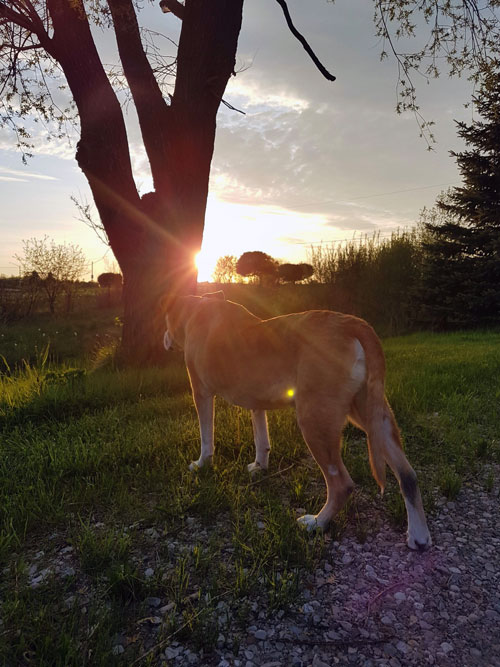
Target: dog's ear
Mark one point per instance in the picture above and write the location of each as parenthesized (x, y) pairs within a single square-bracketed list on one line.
[(214, 295)]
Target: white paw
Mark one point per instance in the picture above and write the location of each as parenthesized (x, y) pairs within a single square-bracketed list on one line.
[(309, 522), (194, 466), (419, 542), (255, 467)]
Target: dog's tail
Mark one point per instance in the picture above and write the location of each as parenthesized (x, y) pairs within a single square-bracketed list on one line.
[(376, 406)]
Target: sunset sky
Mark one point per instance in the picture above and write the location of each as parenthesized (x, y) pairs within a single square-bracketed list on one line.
[(310, 161)]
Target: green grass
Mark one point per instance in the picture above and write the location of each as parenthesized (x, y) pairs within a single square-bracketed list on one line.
[(94, 457)]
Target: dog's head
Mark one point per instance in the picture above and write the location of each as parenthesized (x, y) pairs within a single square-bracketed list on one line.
[(179, 311)]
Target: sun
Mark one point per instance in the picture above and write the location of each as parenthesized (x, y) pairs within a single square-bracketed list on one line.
[(205, 263)]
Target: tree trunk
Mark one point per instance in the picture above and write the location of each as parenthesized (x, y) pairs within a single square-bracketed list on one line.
[(156, 238), (161, 268)]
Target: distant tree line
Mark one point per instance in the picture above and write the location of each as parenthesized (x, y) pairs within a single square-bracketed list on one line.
[(51, 277), (260, 267), (49, 271)]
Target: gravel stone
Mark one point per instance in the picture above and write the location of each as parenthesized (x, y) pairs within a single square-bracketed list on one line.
[(153, 602)]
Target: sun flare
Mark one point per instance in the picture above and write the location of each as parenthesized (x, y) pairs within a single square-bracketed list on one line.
[(234, 228), (205, 264)]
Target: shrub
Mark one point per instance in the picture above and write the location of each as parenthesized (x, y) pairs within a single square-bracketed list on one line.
[(257, 263), (293, 273)]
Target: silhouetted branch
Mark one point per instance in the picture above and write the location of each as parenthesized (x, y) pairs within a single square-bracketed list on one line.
[(230, 106), (8, 14), (173, 6), (24, 15), (301, 39)]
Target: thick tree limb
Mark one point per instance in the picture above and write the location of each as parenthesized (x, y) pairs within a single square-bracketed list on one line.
[(27, 18), (103, 152), (205, 61), (10, 15), (303, 41), (173, 6), (152, 109)]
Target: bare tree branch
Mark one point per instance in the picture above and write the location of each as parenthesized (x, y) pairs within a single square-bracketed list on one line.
[(173, 6), (19, 49), (37, 22), (406, 82), (26, 17), (6, 13), (87, 217), (230, 106), (303, 41)]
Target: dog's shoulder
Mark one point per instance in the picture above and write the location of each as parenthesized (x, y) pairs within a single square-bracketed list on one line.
[(221, 312), (215, 321)]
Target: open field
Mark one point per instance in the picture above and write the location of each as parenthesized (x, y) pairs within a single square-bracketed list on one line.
[(111, 551)]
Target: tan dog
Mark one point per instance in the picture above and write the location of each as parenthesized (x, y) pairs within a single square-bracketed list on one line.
[(331, 366)]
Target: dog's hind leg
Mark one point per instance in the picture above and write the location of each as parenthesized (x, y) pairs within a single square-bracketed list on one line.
[(262, 444), (205, 409), (322, 427), (385, 443)]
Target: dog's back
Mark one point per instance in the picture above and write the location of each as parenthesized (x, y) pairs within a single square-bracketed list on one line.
[(264, 363)]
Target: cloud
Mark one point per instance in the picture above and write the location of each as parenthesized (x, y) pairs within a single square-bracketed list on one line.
[(21, 175), (42, 142)]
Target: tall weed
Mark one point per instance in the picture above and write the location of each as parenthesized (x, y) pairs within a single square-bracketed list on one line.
[(373, 277)]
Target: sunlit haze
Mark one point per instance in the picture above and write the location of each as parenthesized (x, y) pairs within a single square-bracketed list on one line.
[(281, 233)]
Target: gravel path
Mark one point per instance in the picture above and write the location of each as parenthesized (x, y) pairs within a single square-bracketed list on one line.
[(367, 604), (378, 603)]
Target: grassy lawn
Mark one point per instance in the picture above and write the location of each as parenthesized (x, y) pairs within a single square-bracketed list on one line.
[(99, 514)]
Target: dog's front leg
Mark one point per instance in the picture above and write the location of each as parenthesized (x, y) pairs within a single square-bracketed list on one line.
[(205, 409), (261, 438)]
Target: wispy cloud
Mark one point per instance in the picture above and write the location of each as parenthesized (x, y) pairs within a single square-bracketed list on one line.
[(12, 178), (253, 96), (21, 175)]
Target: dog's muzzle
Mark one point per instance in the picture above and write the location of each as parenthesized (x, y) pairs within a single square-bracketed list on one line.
[(168, 341)]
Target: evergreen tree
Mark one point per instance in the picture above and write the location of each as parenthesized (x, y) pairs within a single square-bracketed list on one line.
[(462, 280)]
